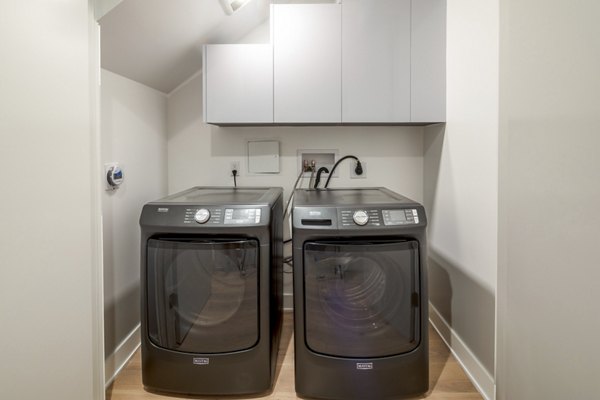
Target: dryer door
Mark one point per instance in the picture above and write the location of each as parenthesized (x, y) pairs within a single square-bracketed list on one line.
[(202, 295), (361, 298)]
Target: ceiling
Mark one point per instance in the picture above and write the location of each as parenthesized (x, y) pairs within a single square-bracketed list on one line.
[(159, 42)]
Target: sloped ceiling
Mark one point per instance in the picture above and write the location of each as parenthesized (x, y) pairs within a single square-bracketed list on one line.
[(159, 42)]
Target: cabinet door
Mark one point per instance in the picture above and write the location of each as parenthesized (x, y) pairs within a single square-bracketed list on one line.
[(376, 61), (428, 61), (307, 63), (238, 83)]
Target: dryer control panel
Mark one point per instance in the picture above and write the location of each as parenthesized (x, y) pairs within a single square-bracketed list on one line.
[(206, 215)]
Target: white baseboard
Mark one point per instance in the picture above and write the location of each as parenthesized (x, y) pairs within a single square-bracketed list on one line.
[(482, 380), (116, 361)]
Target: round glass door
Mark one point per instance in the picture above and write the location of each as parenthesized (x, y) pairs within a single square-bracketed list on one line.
[(203, 294), (361, 298)]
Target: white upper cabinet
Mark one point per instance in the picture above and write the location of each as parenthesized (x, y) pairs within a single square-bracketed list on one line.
[(428, 61), (359, 62), (307, 63), (376, 63), (238, 84)]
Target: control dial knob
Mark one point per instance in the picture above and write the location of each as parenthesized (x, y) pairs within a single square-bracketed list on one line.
[(202, 216), (360, 217)]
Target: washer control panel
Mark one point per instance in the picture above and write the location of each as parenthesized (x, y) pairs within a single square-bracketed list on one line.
[(408, 216), (242, 216), (202, 215)]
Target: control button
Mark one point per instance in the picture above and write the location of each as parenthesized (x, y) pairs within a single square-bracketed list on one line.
[(360, 217), (202, 216), (415, 216)]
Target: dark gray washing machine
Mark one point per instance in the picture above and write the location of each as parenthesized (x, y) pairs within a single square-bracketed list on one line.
[(360, 294), (212, 290)]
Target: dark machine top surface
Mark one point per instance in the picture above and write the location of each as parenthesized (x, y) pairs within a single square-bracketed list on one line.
[(349, 197), (223, 195)]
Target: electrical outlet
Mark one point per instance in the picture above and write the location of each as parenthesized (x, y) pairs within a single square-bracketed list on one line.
[(234, 165), (353, 172)]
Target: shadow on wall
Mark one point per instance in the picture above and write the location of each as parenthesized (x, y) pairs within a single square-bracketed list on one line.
[(433, 144), (466, 305)]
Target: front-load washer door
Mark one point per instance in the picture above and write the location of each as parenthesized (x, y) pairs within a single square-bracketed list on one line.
[(361, 299), (203, 294)]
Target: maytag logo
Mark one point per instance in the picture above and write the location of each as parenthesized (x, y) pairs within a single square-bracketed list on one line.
[(364, 365), (163, 209), (201, 361)]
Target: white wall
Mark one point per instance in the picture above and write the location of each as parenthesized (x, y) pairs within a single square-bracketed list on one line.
[(200, 154), (134, 133), (550, 191), (49, 211), (461, 190)]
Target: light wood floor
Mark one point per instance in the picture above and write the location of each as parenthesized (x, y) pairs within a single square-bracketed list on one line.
[(447, 380)]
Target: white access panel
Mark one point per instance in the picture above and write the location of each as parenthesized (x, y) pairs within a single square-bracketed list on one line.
[(307, 63), (376, 61), (238, 83), (263, 157), (428, 61)]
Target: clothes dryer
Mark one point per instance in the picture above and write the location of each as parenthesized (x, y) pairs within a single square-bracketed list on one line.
[(360, 294), (211, 286)]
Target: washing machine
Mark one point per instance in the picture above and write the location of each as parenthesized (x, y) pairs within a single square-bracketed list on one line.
[(211, 287), (360, 294)]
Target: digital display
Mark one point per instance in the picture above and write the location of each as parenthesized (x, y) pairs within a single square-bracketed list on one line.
[(397, 215), (239, 216), (400, 217), (240, 213)]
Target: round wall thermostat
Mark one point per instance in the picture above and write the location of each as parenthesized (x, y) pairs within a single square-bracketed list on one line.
[(114, 176)]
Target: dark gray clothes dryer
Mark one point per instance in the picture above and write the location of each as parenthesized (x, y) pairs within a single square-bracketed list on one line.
[(212, 289), (360, 294)]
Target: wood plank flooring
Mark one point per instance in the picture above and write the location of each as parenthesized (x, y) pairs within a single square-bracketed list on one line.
[(447, 380)]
